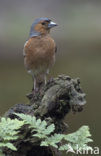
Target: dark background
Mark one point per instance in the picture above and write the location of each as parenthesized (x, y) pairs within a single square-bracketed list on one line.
[(78, 39)]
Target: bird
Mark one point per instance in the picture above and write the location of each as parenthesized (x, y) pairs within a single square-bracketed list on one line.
[(39, 50)]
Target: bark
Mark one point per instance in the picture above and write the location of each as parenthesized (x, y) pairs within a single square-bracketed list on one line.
[(51, 103)]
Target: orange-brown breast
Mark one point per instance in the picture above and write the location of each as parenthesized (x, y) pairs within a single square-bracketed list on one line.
[(39, 53)]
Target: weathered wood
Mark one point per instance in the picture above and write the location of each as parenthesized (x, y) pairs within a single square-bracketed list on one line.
[(51, 103)]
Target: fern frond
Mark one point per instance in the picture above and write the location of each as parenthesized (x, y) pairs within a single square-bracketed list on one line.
[(52, 140), (64, 147), (78, 139), (38, 126), (8, 131), (43, 131), (9, 128), (8, 145)]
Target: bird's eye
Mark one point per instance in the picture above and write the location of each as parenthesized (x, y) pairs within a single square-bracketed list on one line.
[(43, 23)]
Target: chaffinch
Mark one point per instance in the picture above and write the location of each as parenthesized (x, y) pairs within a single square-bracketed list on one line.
[(39, 50)]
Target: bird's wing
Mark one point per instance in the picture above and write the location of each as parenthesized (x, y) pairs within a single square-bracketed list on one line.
[(24, 54)]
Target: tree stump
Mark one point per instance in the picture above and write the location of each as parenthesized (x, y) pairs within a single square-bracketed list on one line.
[(51, 103)]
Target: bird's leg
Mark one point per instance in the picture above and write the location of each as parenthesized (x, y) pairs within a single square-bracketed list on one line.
[(45, 76), (34, 83), (45, 79), (35, 89)]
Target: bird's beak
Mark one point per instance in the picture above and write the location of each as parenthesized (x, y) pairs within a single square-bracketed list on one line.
[(52, 24)]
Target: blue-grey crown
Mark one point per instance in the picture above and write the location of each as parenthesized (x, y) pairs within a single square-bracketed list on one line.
[(32, 31)]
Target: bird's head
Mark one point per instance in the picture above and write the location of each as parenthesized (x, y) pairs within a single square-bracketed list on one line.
[(41, 26)]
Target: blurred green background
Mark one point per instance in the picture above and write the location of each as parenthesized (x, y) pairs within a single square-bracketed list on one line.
[(78, 39)]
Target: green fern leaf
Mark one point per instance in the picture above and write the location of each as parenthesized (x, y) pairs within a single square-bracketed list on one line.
[(80, 136), (53, 140), (48, 143), (49, 129), (43, 132), (8, 131), (38, 126), (8, 145), (78, 139), (64, 147)]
